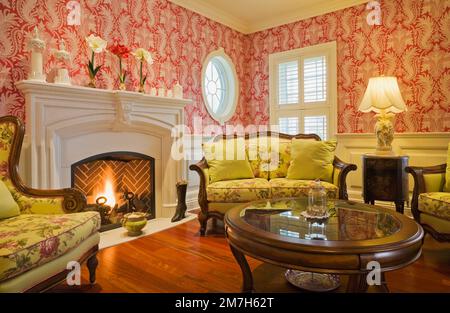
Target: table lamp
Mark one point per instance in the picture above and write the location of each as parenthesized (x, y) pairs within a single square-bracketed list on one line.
[(383, 97)]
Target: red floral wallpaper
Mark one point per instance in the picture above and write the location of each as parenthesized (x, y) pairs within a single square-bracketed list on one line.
[(413, 43), (178, 39)]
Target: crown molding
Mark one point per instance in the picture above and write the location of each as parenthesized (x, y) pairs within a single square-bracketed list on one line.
[(320, 8), (206, 9)]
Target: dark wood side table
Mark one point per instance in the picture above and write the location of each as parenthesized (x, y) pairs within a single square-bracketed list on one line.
[(385, 179)]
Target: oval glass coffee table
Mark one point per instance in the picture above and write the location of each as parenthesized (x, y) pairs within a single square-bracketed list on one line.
[(359, 240)]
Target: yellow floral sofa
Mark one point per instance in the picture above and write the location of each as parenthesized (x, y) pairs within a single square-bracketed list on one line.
[(430, 204), (37, 244), (215, 198)]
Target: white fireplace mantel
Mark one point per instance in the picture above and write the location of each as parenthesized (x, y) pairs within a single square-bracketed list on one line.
[(66, 124)]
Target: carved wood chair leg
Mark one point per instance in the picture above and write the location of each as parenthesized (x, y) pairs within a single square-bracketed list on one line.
[(247, 276), (92, 264), (203, 220)]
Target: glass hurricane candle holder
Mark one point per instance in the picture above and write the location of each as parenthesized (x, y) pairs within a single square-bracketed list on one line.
[(317, 200)]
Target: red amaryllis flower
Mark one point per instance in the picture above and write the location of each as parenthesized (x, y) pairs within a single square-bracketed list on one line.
[(120, 50), (49, 247)]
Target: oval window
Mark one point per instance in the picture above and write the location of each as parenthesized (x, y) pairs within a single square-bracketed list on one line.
[(219, 86)]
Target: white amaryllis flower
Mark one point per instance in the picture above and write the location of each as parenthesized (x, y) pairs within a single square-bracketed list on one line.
[(96, 43), (143, 55)]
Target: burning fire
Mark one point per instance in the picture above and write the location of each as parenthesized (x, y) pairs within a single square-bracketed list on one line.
[(108, 192)]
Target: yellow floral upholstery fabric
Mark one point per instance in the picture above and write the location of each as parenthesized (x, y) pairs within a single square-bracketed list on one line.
[(37, 205), (257, 150), (283, 187), (283, 152), (239, 190), (30, 240), (436, 204)]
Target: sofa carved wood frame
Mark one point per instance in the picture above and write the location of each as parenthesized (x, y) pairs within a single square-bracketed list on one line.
[(419, 187), (204, 215), (73, 201)]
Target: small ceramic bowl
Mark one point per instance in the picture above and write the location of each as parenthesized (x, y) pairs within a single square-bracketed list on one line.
[(134, 223)]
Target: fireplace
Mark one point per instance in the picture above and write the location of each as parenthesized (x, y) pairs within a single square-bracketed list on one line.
[(116, 183), (66, 124)]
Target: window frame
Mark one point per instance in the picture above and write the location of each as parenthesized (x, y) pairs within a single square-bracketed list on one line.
[(302, 109), (231, 97)]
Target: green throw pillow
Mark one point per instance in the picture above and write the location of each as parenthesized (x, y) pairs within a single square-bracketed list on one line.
[(8, 207), (447, 173), (227, 166), (311, 159)]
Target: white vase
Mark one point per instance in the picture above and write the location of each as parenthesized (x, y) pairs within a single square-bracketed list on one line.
[(37, 46)]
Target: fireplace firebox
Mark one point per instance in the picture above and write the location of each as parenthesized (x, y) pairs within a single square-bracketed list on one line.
[(116, 183)]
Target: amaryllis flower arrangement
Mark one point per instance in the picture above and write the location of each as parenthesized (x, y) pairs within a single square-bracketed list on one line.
[(97, 45), (142, 56), (122, 52)]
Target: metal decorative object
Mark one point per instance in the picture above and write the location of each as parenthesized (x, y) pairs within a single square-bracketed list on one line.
[(315, 282), (180, 212)]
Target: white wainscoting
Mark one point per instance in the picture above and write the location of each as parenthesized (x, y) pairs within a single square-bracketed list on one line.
[(423, 149)]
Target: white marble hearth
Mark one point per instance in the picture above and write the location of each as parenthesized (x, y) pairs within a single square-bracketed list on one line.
[(66, 124)]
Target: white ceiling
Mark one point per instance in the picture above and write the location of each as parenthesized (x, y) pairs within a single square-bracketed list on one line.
[(248, 16)]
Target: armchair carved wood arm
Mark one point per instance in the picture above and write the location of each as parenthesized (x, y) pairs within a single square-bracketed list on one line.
[(203, 216), (418, 174), (340, 172), (67, 200), (427, 180)]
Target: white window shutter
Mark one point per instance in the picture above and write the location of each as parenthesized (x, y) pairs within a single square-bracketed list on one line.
[(315, 79), (288, 83), (316, 125), (288, 125)]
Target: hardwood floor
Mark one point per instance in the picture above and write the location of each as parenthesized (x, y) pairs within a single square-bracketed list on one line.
[(179, 260)]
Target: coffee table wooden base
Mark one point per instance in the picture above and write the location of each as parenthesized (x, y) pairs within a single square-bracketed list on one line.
[(357, 283)]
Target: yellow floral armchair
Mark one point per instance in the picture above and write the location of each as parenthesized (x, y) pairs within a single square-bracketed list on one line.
[(430, 204), (37, 246)]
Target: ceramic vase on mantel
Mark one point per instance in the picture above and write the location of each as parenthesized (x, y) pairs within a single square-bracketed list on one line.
[(36, 45), (63, 56)]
